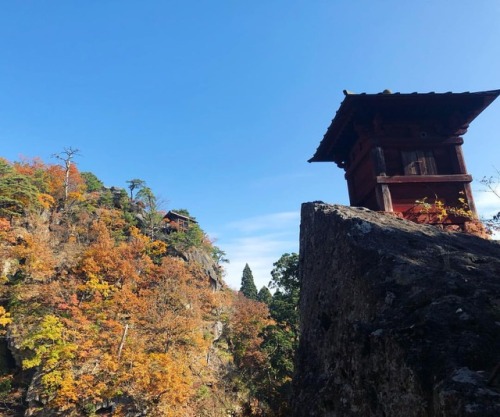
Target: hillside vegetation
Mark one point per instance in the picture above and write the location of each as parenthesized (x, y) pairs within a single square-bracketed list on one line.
[(108, 309)]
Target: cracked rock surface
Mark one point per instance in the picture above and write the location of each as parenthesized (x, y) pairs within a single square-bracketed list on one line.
[(397, 319)]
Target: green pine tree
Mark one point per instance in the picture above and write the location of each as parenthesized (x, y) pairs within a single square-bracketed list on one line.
[(92, 182), (248, 288), (17, 192), (265, 296), (281, 339)]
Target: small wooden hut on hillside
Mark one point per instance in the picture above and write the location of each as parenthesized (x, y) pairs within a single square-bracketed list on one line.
[(178, 221)]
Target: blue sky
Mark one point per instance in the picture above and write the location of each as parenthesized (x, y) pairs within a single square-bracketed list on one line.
[(217, 105)]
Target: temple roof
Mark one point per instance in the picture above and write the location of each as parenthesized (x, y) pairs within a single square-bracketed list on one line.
[(455, 111), (173, 216)]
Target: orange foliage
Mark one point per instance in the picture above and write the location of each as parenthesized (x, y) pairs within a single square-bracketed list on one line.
[(113, 220), (248, 321), (49, 179), (101, 260), (6, 234), (37, 261), (111, 277), (28, 166), (55, 181)]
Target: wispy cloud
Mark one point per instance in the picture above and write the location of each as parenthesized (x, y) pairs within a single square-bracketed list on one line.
[(487, 203), (261, 240), (258, 241)]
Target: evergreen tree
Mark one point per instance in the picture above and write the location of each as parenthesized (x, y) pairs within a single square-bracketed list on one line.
[(248, 288), (92, 182), (264, 295), (135, 184), (152, 217), (17, 192), (281, 339), (285, 279)]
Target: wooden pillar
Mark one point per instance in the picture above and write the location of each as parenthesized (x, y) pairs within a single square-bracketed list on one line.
[(351, 190), (384, 198), (467, 188), (460, 160), (379, 161), (470, 199), (383, 193)]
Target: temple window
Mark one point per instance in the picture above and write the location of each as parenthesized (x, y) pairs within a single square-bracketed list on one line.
[(418, 162)]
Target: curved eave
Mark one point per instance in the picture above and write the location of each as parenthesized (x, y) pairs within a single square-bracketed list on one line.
[(340, 135), (324, 152)]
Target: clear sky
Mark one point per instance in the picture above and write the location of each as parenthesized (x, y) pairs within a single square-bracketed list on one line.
[(218, 105)]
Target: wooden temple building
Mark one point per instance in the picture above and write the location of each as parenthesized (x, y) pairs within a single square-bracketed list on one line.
[(397, 149), (177, 221)]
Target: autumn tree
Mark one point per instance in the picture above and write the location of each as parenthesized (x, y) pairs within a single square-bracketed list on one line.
[(248, 288), (36, 170), (51, 352), (264, 347), (249, 320), (36, 260), (110, 315), (66, 156)]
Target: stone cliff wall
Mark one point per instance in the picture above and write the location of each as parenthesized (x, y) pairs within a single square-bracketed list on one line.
[(397, 319)]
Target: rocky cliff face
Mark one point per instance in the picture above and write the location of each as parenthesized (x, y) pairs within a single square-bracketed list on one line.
[(397, 319)]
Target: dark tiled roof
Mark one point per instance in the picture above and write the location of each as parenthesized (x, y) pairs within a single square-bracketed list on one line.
[(172, 215), (457, 110)]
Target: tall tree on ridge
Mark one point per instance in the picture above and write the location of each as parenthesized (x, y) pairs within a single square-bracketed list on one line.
[(248, 288), (133, 184), (66, 156), (152, 216)]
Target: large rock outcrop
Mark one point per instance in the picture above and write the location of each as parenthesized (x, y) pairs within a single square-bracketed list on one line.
[(398, 319), (200, 257)]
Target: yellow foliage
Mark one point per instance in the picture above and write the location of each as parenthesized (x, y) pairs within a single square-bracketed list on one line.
[(441, 211), (66, 389), (4, 317), (76, 196), (47, 344), (157, 248), (96, 285), (46, 200)]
